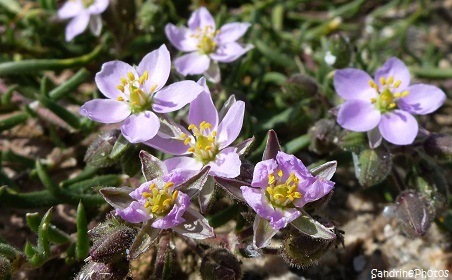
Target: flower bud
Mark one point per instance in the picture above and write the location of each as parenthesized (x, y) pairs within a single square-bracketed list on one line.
[(102, 271), (220, 264), (439, 146), (339, 53), (323, 136), (372, 166), (413, 213), (5, 268), (113, 245), (300, 85)]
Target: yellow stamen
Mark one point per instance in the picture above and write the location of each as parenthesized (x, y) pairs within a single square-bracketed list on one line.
[(147, 204), (186, 141), (146, 195), (131, 76), (120, 98), (392, 105), (153, 88), (121, 88), (280, 173), (175, 194), (373, 100), (146, 74), (397, 94), (183, 136), (397, 84), (382, 80), (391, 79), (168, 185), (405, 93), (123, 81), (166, 201), (152, 186), (155, 208), (191, 150), (271, 179), (190, 127), (372, 84)]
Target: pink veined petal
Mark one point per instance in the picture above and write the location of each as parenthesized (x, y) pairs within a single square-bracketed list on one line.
[(358, 115), (202, 108), (422, 99), (256, 199), (261, 172), (188, 163), (227, 164), (201, 18), (231, 32), (398, 127), (396, 68), (135, 213), (110, 76), (229, 128), (281, 218), (95, 24), (98, 7), (158, 64), (175, 96), (291, 164), (70, 9), (229, 52), (193, 63), (353, 83), (137, 194), (168, 145), (314, 191), (140, 127), (105, 110), (77, 25), (180, 38), (174, 217)]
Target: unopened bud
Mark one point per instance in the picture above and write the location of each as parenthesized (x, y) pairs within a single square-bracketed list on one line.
[(5, 268), (339, 53), (114, 245), (220, 264), (299, 85), (372, 166), (413, 213), (324, 136), (102, 271), (439, 146)]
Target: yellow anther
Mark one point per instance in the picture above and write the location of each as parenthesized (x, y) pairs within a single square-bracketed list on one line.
[(392, 105), (214, 133), (190, 127), (168, 185), (382, 80), (297, 195), (123, 81), (397, 84), (373, 100), (397, 95), (186, 141), (153, 88), (280, 173), (270, 191), (191, 150), (208, 148), (145, 75), (152, 186), (121, 88), (211, 139), (183, 136), (391, 80), (120, 98), (167, 201), (131, 76), (147, 204), (405, 93), (271, 179), (155, 208), (292, 188), (372, 84), (278, 196), (141, 80), (146, 195), (175, 194)]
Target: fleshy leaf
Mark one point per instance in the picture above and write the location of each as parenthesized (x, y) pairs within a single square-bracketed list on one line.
[(119, 198), (205, 196), (413, 213), (143, 240), (244, 147), (232, 186), (325, 171), (193, 185), (307, 225), (195, 226), (272, 147), (151, 166), (263, 232)]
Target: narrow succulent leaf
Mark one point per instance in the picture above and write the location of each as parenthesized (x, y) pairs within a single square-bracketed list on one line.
[(263, 232), (297, 144), (55, 235), (119, 198), (70, 85), (244, 147), (272, 147), (43, 234), (195, 225), (120, 147), (206, 195), (226, 106), (192, 186), (143, 240), (97, 154), (232, 186), (82, 243), (95, 183), (67, 116), (325, 171), (86, 173), (151, 166), (307, 225), (9, 251), (30, 250), (12, 121)]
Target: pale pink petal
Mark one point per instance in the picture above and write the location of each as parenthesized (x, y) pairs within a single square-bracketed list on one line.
[(227, 164), (396, 68), (158, 65), (105, 110), (261, 172), (187, 163), (230, 126), (95, 24), (109, 77), (174, 217), (202, 108), (70, 9), (231, 32), (135, 213), (175, 96), (180, 37), (98, 7), (140, 127), (77, 25), (354, 84), (193, 63), (358, 115), (229, 52), (398, 127), (201, 18), (422, 99)]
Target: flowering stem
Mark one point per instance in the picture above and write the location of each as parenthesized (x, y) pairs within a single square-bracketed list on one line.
[(161, 267)]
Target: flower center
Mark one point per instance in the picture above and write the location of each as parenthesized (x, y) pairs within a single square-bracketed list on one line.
[(206, 39), (160, 202), (88, 3), (204, 145), (133, 94), (388, 94), (279, 193)]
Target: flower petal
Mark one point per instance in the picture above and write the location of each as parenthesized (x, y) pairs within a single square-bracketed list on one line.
[(422, 99), (110, 76), (98, 7), (227, 164), (192, 63), (229, 128), (186, 163), (231, 32), (353, 84), (398, 127), (105, 110), (201, 18), (168, 145), (358, 115), (180, 38), (70, 9), (174, 217), (95, 24), (313, 191), (261, 172), (158, 64), (140, 127), (396, 68), (175, 96), (135, 213), (290, 164), (77, 25), (202, 108), (230, 52)]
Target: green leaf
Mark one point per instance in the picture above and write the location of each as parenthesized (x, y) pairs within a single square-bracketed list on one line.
[(120, 147), (67, 116), (372, 166), (82, 243), (55, 234), (12, 121), (43, 235)]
